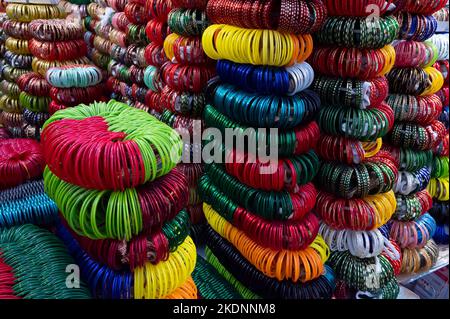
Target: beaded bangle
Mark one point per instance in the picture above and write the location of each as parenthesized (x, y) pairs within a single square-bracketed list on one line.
[(419, 259), (419, 138), (359, 33), (307, 264), (134, 210), (413, 234), (34, 103), (265, 110), (364, 125), (376, 175), (27, 13), (415, 27), (362, 214), (264, 286), (152, 147), (362, 64), (410, 207), (257, 47), (187, 22), (298, 17), (20, 160), (267, 80), (34, 253), (293, 142), (55, 30), (350, 151), (439, 188), (409, 108), (351, 93)]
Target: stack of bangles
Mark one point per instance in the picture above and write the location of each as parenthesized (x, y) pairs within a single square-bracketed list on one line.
[(27, 13), (126, 225), (416, 137), (412, 182), (440, 166), (419, 259), (415, 81), (416, 27), (351, 93), (413, 234), (425, 7), (410, 207), (412, 54), (186, 50), (275, 15), (439, 188), (419, 109)]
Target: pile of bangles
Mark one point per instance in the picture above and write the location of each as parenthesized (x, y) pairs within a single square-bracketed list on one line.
[(414, 86), (110, 170), (356, 177)]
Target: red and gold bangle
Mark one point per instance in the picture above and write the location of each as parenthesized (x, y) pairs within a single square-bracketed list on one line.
[(154, 55), (34, 84), (16, 29), (58, 51)]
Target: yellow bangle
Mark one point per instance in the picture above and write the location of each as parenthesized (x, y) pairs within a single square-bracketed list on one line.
[(372, 148), (389, 57), (158, 281), (436, 79), (41, 66), (17, 46), (29, 12)]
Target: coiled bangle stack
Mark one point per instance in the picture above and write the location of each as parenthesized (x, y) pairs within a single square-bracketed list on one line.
[(28, 254), (138, 231), (356, 178), (414, 85)]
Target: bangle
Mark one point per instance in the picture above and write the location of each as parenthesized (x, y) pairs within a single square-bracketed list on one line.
[(103, 45), (16, 29), (362, 64), (190, 4), (257, 47), (41, 66), (119, 21), (185, 50), (187, 22), (184, 103), (157, 31), (153, 248), (154, 55), (307, 264), (35, 118), (10, 105), (285, 174), (11, 120), (439, 188), (411, 207), (34, 103), (440, 212), (440, 167), (137, 35), (11, 89), (442, 148), (345, 150), (45, 256), (34, 84), (441, 236), (409, 108), (134, 55), (265, 110), (100, 59), (357, 8), (64, 50), (351, 93), (27, 13), (359, 33), (269, 205), (415, 27), (20, 160), (17, 46), (267, 80), (410, 160), (419, 259), (376, 175), (413, 234), (425, 7), (412, 182), (151, 152), (136, 13), (159, 9), (79, 76), (416, 137), (444, 68), (364, 125), (55, 30), (240, 273), (412, 54), (291, 142), (192, 78)]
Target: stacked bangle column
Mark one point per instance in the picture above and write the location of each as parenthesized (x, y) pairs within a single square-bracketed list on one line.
[(413, 83), (156, 30), (183, 98), (262, 236), (356, 178), (439, 185), (110, 171)]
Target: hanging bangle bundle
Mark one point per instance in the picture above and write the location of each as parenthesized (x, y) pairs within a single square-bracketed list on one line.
[(364, 125), (274, 264), (359, 33), (416, 27), (413, 234), (267, 80), (33, 84), (356, 63), (74, 76), (151, 150), (416, 137), (412, 182), (298, 17), (410, 207), (294, 142), (415, 81), (350, 151), (439, 188), (187, 22), (190, 78), (270, 205), (286, 174), (27, 13), (351, 93), (253, 46), (54, 30), (20, 160), (183, 102), (45, 257), (412, 54), (264, 286), (422, 110), (376, 175), (185, 50), (64, 50), (265, 110)]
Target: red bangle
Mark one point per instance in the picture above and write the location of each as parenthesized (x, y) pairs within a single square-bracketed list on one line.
[(189, 4), (58, 51), (423, 7), (356, 8), (158, 9), (153, 101), (34, 84), (157, 31), (342, 149), (136, 13), (190, 78), (120, 21), (154, 54), (443, 67), (75, 96)]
